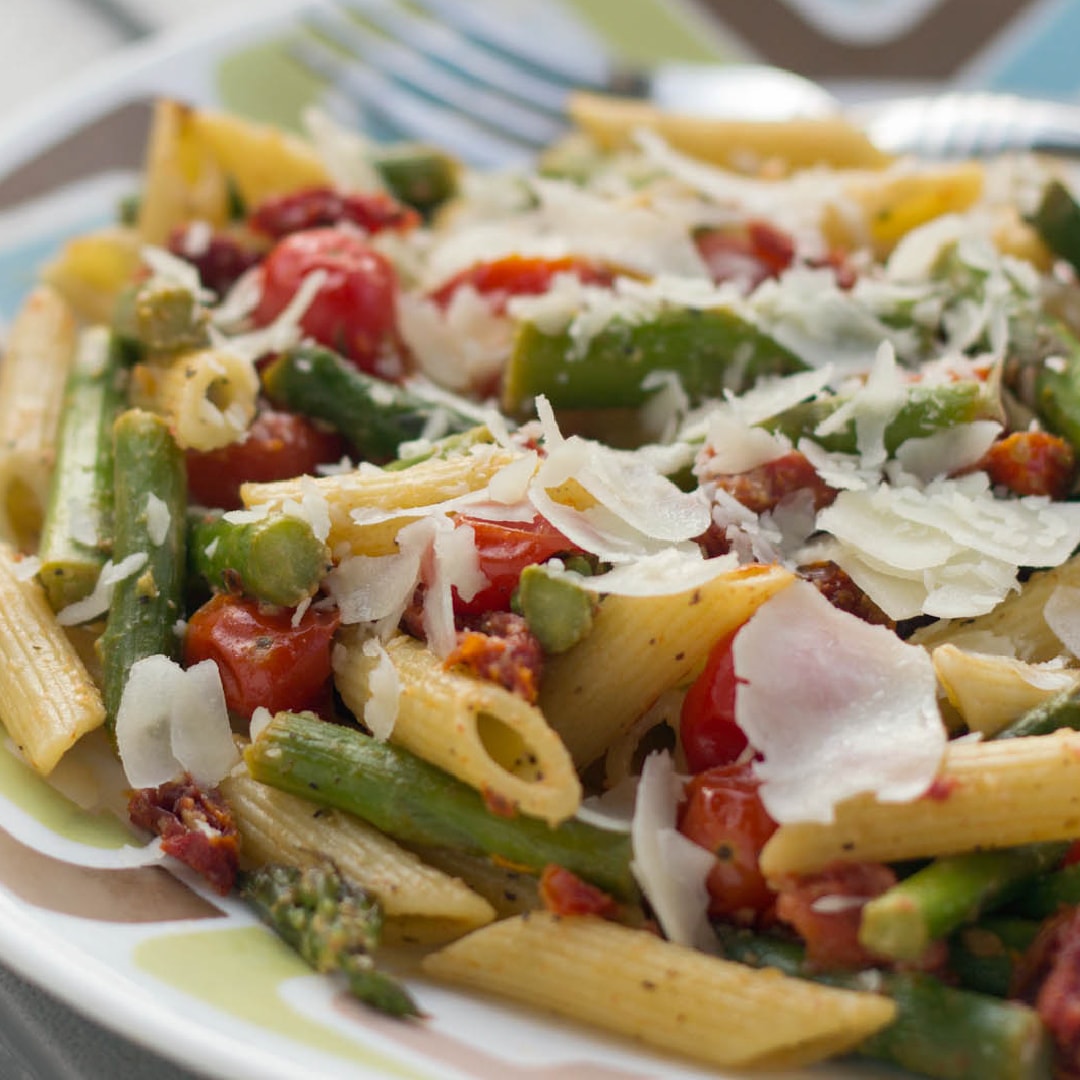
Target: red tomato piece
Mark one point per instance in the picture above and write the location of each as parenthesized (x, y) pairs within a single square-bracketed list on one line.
[(707, 727), (354, 312), (520, 275), (564, 893), (263, 659), (278, 446), (723, 813), (505, 548), (317, 207), (1032, 463)]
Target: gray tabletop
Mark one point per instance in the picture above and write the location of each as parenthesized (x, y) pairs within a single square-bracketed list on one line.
[(43, 1039)]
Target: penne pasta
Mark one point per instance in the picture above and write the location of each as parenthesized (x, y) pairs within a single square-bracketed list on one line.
[(369, 488), (481, 733), (633, 983), (420, 903), (207, 397), (39, 353), (659, 640), (987, 795), (990, 692), (47, 698)]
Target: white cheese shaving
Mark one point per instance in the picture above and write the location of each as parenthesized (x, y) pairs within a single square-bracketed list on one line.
[(670, 869), (172, 721), (381, 707), (1062, 614), (948, 451), (346, 154), (97, 603), (26, 568), (950, 549), (661, 574), (260, 721), (158, 519), (843, 691)]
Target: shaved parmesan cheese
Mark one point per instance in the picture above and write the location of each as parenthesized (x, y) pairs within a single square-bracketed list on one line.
[(850, 708), (948, 451), (381, 707), (202, 740), (1062, 614), (260, 721), (345, 153), (25, 568), (954, 548), (283, 333), (158, 519), (670, 869), (661, 574), (97, 603), (172, 721), (373, 588)]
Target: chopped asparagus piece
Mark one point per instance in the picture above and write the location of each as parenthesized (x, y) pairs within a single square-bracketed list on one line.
[(559, 612), (417, 803), (161, 318), (375, 416), (333, 925), (708, 351), (147, 465), (939, 1031), (934, 901), (77, 533), (277, 559)]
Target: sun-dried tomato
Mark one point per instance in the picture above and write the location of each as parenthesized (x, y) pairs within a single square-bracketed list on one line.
[(196, 826), (500, 647), (319, 207), (564, 893), (220, 259)]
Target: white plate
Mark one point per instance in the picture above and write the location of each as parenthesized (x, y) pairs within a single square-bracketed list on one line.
[(154, 958)]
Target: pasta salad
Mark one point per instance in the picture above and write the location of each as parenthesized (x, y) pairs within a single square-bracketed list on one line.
[(647, 582)]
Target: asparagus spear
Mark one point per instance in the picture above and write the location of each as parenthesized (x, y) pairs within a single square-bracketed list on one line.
[(375, 416), (417, 803), (277, 559), (77, 532), (419, 175), (931, 903), (983, 956), (1050, 893), (926, 410), (158, 317), (147, 466), (333, 925), (939, 1031), (709, 351), (1060, 711), (1057, 221)]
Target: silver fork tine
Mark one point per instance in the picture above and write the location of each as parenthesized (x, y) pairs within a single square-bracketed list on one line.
[(407, 114), (439, 83), (574, 60), (458, 52)]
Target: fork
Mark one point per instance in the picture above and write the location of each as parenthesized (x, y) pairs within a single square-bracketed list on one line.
[(493, 90)]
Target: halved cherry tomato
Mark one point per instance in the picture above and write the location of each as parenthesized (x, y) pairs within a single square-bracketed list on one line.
[(317, 207), (278, 445), (707, 727), (263, 659), (354, 312), (520, 275), (505, 548), (724, 814)]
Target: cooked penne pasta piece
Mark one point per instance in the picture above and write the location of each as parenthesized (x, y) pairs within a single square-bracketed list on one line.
[(207, 397), (659, 641), (419, 902), (987, 795), (634, 983), (93, 269), (370, 488), (47, 698), (611, 121), (40, 349), (483, 734), (990, 692)]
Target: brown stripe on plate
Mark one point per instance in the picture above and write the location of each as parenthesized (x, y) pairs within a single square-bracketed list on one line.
[(934, 48), (139, 895), (114, 141)]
